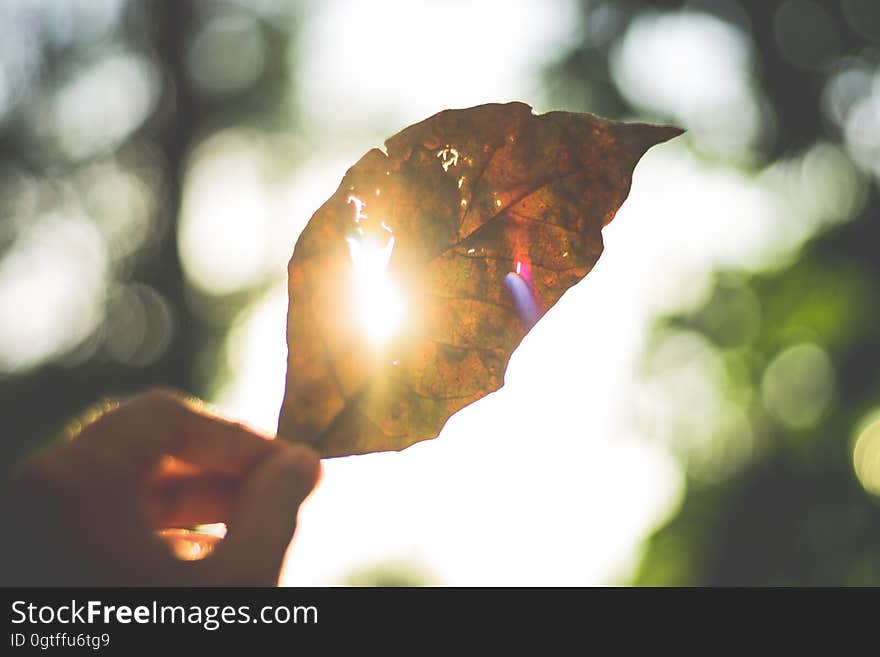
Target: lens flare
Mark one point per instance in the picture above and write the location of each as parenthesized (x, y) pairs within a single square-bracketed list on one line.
[(521, 287)]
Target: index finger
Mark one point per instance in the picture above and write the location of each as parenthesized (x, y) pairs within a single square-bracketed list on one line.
[(161, 422)]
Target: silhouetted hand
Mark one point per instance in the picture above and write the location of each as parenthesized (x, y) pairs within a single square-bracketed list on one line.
[(85, 512)]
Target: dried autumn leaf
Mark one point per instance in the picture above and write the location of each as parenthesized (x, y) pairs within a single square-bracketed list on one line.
[(413, 284)]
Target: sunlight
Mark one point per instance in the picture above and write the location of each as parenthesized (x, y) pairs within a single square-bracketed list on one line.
[(449, 158), (380, 306)]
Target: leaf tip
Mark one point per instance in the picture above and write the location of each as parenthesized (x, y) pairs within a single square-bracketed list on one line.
[(667, 132), (653, 134), (638, 138)]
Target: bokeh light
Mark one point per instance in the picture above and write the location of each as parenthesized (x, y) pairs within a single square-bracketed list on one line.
[(140, 325), (127, 87), (805, 33), (863, 16), (52, 289), (226, 198), (798, 385), (696, 69), (866, 455), (227, 54)]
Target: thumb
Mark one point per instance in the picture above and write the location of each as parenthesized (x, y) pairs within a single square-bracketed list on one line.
[(264, 518)]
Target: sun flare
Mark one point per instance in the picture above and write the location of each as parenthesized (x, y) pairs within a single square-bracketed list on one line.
[(379, 304)]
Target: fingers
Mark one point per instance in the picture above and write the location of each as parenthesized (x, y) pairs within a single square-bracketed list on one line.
[(264, 518), (194, 467), (134, 437), (188, 501)]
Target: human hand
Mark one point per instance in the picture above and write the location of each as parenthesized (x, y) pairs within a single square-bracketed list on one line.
[(85, 512)]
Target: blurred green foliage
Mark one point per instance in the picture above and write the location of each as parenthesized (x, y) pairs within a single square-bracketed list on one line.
[(790, 356), (102, 104)]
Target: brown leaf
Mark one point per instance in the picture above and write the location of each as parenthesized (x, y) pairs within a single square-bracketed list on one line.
[(413, 284)]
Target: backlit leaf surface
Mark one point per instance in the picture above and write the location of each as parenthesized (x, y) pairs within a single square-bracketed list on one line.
[(413, 284)]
